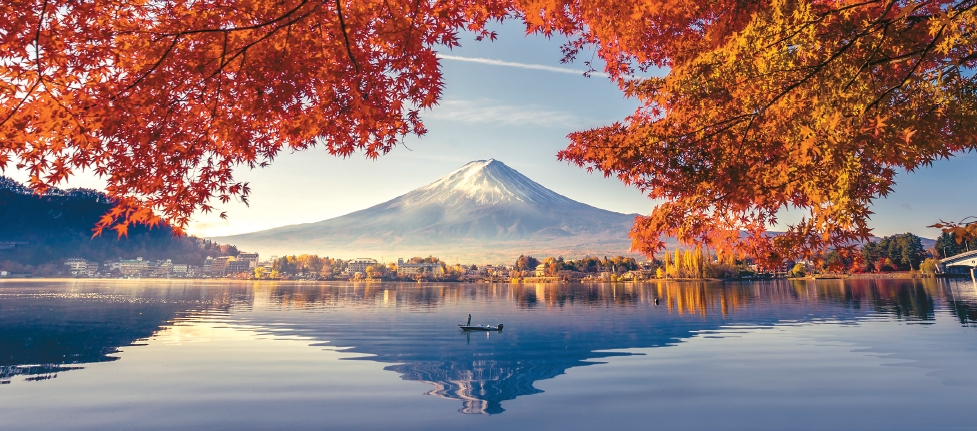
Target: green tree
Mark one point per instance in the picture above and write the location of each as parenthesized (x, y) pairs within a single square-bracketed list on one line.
[(949, 244), (905, 251), (902, 252), (837, 261)]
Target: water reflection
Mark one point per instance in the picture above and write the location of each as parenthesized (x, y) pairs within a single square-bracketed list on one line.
[(46, 329), (549, 328)]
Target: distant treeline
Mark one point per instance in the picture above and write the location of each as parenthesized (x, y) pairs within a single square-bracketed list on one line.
[(679, 263), (38, 232), (304, 264), (900, 252), (589, 264)]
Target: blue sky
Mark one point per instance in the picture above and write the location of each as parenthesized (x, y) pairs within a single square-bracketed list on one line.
[(514, 101), (518, 115)]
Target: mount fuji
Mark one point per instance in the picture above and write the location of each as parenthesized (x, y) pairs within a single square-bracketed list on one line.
[(484, 210)]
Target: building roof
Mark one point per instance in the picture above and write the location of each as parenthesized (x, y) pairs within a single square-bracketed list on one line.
[(967, 258)]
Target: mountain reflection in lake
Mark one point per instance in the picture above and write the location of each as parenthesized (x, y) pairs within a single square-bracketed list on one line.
[(48, 329)]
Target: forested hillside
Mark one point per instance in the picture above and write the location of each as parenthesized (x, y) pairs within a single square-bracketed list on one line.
[(38, 232)]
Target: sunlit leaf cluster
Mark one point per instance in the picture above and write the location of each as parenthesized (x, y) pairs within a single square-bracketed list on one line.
[(809, 105)]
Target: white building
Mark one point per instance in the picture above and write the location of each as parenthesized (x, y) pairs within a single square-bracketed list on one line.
[(134, 267), (418, 269), (360, 264), (81, 267), (181, 270), (962, 263), (250, 258), (541, 270), (162, 268)]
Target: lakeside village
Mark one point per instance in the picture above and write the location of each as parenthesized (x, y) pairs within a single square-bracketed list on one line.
[(896, 256)]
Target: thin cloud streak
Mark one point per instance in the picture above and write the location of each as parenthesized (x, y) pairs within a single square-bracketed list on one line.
[(487, 112), (544, 67)]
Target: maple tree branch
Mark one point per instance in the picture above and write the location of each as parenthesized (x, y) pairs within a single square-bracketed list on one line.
[(817, 68), (413, 21), (342, 26), (281, 17), (37, 41), (722, 125), (155, 65), (729, 124), (806, 24), (969, 57), (930, 46), (242, 51), (899, 57), (824, 15), (871, 28), (178, 35), (40, 74), (909, 74), (21, 103), (746, 131), (220, 77), (867, 63)]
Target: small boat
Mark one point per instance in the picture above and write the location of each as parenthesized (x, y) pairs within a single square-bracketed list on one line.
[(480, 327)]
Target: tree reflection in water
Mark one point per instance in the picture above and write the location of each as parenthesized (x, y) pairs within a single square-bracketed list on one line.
[(52, 328), (551, 328)]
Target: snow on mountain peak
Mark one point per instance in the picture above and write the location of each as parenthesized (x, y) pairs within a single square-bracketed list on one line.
[(484, 182), (484, 206)]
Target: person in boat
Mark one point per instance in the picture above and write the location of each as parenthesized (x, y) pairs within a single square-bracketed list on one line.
[(469, 320)]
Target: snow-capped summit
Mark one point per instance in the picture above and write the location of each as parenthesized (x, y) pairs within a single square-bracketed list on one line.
[(484, 182), (483, 209)]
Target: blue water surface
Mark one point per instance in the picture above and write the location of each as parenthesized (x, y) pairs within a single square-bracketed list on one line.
[(800, 355)]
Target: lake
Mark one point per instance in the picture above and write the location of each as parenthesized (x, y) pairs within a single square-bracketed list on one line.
[(775, 355)]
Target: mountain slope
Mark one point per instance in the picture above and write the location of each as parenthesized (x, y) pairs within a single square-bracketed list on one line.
[(483, 210)]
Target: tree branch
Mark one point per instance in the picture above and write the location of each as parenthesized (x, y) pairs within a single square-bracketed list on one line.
[(342, 25), (40, 74)]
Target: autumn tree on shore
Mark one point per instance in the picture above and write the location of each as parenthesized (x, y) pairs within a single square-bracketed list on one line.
[(429, 259), (526, 263), (307, 264), (686, 263), (768, 104)]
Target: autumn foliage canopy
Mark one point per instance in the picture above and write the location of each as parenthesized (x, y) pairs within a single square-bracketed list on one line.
[(808, 104)]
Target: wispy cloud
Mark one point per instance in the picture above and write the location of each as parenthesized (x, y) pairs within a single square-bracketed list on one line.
[(544, 67), (487, 112)]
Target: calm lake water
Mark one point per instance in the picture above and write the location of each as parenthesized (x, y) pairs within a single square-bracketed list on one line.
[(830, 355)]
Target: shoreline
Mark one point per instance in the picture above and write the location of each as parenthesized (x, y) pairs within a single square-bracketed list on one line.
[(527, 280)]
